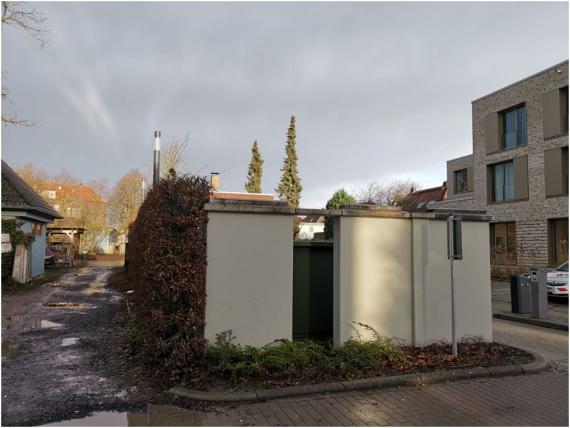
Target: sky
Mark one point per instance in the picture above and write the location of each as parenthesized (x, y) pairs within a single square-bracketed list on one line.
[(380, 91)]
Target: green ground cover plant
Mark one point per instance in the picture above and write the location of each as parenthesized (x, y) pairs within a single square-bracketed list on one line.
[(286, 362)]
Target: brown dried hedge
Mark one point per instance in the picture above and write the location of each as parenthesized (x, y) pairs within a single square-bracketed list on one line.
[(167, 251)]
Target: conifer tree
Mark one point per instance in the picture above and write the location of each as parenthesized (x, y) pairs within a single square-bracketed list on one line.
[(290, 185), (255, 171), (339, 199)]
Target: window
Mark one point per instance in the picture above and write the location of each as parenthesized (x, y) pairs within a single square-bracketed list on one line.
[(50, 194), (461, 181), (73, 212), (558, 241), (503, 182), (564, 108), (514, 127), (56, 207), (503, 239)]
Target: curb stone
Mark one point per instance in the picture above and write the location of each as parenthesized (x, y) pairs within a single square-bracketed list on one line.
[(416, 379), (532, 321)]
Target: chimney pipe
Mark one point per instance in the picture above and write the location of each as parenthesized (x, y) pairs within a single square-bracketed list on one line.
[(143, 190), (215, 181), (156, 170)]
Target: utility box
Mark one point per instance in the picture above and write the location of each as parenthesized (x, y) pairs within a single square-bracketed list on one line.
[(538, 293), (520, 294)]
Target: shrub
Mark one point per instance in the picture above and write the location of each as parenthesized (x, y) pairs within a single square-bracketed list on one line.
[(287, 360), (167, 253)]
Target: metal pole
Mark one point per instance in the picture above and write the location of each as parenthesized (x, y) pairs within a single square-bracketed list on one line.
[(143, 189), (156, 169), (451, 260)]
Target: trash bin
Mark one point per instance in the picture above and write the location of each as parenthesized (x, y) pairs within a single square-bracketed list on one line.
[(520, 294), (538, 293)]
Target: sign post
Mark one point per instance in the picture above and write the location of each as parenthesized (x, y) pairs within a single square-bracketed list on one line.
[(454, 252)]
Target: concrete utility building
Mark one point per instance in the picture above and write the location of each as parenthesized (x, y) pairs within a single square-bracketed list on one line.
[(518, 171)]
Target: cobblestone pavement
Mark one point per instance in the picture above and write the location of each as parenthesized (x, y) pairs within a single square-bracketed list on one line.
[(534, 400)]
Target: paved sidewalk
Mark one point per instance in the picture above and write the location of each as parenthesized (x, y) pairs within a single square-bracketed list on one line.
[(501, 295)]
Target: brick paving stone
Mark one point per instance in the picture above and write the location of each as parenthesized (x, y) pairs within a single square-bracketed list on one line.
[(533, 400)]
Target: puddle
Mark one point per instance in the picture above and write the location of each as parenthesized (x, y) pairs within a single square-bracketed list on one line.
[(94, 288), (48, 324), (58, 284), (64, 305), (69, 341), (10, 350), (155, 415)]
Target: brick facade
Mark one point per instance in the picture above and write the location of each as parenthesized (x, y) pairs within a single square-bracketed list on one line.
[(531, 215)]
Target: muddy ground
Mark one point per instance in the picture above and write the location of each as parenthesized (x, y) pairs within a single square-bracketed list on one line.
[(63, 351)]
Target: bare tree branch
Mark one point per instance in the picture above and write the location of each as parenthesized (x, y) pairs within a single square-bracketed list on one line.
[(29, 20), (390, 193), (172, 155)]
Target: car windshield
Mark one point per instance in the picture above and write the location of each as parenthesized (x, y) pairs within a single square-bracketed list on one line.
[(563, 267)]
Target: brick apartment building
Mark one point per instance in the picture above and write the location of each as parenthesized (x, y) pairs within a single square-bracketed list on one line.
[(518, 171)]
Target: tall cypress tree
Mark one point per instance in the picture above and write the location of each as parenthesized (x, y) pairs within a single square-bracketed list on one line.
[(290, 185), (255, 171)]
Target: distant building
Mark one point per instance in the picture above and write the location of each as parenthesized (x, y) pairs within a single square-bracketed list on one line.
[(312, 227), (518, 171), (21, 202), (84, 215), (418, 200)]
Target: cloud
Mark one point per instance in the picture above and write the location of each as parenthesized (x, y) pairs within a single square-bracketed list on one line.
[(90, 107)]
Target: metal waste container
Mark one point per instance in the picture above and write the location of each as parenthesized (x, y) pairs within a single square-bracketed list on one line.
[(520, 294), (538, 293)]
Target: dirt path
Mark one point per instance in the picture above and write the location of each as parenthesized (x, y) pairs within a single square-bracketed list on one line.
[(59, 350)]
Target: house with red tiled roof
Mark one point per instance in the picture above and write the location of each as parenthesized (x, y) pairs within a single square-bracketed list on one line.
[(419, 200)]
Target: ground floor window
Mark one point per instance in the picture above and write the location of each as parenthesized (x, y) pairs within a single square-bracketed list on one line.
[(503, 239), (558, 241)]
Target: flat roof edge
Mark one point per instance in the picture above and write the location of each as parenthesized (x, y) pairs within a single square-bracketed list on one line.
[(521, 80)]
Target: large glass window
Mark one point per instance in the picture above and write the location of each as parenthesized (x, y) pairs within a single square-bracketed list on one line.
[(503, 182), (503, 243), (514, 127), (461, 181)]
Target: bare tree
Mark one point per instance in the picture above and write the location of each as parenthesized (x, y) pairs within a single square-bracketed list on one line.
[(32, 175), (64, 177), (391, 193), (125, 200), (172, 155), (30, 20), (100, 187)]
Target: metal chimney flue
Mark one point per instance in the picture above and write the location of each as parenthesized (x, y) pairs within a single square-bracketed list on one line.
[(156, 169)]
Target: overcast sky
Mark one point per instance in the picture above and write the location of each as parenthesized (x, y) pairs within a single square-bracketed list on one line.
[(380, 90)]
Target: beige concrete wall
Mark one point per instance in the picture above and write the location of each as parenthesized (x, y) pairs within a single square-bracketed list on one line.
[(432, 282), (249, 281), (373, 277)]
